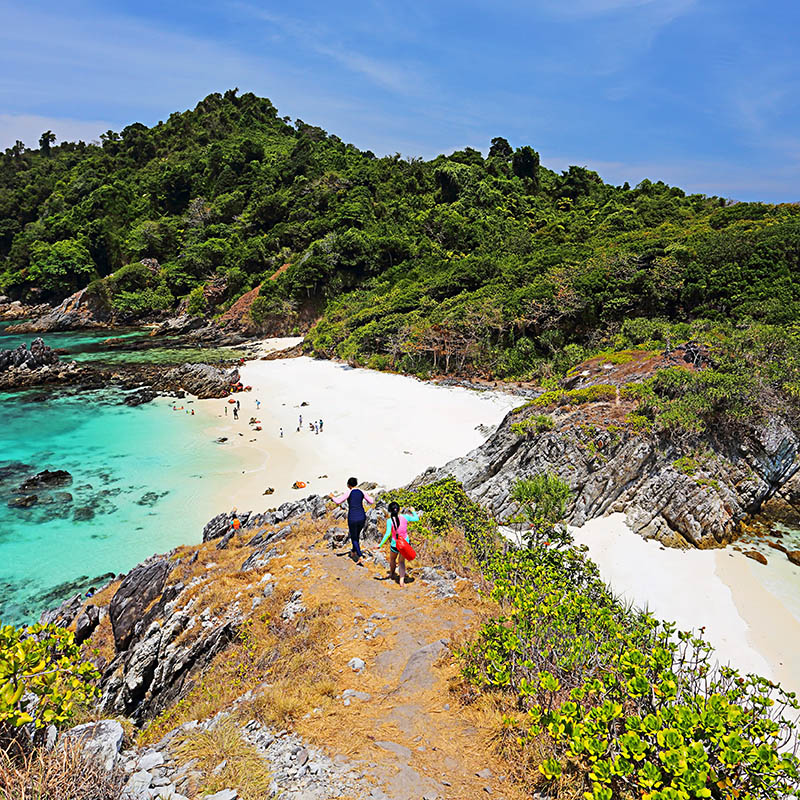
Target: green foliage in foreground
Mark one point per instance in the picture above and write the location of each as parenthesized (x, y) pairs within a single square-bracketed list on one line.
[(622, 704), (41, 662)]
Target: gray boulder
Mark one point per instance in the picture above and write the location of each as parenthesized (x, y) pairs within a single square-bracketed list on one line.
[(142, 585), (101, 741)]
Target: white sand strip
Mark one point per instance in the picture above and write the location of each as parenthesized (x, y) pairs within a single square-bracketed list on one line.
[(377, 427), (751, 625)]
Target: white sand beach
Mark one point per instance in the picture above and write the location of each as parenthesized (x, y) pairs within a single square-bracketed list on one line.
[(377, 427), (750, 612)]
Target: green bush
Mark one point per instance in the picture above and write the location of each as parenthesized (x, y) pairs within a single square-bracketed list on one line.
[(536, 423), (42, 677), (609, 700)]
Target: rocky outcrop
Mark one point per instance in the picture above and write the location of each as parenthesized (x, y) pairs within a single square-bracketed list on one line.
[(141, 586), (100, 741), (162, 638), (219, 526), (20, 358), (202, 380), (80, 310), (680, 498)]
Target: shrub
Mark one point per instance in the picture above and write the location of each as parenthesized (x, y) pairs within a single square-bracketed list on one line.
[(42, 677), (536, 423), (597, 393)]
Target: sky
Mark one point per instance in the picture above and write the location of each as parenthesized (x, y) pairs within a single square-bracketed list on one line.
[(703, 94)]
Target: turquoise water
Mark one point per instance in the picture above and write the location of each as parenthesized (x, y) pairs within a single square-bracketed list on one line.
[(149, 480)]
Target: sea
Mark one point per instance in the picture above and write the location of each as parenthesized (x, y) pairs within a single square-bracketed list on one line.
[(141, 480)]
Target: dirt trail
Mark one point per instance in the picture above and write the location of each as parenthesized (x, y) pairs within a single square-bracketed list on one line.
[(407, 730)]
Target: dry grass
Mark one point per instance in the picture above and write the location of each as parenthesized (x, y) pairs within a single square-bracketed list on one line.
[(60, 774), (289, 656), (244, 769)]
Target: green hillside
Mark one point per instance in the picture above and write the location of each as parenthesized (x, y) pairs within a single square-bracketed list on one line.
[(497, 265)]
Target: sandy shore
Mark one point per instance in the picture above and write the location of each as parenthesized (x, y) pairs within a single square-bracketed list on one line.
[(750, 612), (377, 427)]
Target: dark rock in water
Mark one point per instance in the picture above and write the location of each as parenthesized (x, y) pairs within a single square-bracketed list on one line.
[(46, 479), (20, 358), (140, 397), (83, 514), (150, 498), (203, 380), (86, 623), (13, 470), (142, 585), (221, 439), (23, 502)]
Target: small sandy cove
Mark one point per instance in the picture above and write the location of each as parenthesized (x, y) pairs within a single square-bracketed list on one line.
[(750, 612), (377, 427)]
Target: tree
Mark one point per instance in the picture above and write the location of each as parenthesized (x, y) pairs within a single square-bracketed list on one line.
[(500, 149), (525, 164), (45, 140), (62, 265)]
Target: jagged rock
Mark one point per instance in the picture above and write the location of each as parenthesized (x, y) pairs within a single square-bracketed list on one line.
[(80, 310), (46, 479), (756, 556), (63, 614), (142, 585), (620, 470), (314, 504), (202, 380), (140, 397), (23, 502), (100, 741), (86, 623), (40, 355), (178, 326)]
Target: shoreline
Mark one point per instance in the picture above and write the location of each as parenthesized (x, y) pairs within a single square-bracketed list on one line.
[(381, 427), (748, 615)]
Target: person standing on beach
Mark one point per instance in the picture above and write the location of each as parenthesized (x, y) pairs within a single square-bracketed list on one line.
[(258, 404), (235, 413), (320, 426), (281, 433), (300, 421), (397, 528), (356, 516)]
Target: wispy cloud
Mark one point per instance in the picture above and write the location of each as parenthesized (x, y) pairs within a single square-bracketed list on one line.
[(393, 75)]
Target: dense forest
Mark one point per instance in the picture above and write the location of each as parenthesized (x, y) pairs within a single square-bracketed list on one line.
[(494, 264)]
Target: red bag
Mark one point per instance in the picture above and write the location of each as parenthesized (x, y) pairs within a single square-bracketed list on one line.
[(405, 549)]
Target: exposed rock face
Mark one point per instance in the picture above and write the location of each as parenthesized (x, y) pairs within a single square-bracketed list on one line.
[(142, 585), (100, 741), (40, 355), (79, 310), (149, 614), (619, 470), (202, 380), (218, 526)]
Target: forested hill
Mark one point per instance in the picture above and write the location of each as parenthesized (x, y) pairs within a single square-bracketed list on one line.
[(496, 264)]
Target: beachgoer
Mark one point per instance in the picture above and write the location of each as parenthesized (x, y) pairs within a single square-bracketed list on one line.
[(397, 527), (226, 409), (356, 516), (258, 404), (320, 426), (235, 413), (238, 405), (300, 423), (192, 412), (281, 433), (316, 428)]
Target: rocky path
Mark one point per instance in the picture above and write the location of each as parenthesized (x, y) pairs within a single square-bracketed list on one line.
[(388, 727)]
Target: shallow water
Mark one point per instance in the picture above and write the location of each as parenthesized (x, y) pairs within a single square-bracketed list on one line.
[(149, 481)]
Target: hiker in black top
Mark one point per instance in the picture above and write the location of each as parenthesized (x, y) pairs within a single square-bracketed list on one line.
[(356, 516)]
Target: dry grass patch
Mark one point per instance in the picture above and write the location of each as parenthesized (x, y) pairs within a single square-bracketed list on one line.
[(244, 769), (60, 774)]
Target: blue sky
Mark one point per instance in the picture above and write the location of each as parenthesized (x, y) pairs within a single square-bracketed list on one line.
[(704, 94)]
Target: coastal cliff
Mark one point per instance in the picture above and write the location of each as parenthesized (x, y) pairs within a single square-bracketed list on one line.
[(688, 491)]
